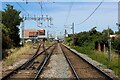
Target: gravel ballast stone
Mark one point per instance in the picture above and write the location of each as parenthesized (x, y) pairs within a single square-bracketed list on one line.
[(58, 66)]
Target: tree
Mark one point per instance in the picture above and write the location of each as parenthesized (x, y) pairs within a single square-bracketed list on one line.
[(117, 32), (105, 32), (93, 31), (11, 19), (5, 37)]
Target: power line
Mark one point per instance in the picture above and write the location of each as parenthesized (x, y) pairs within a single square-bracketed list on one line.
[(91, 13), (45, 7), (41, 6), (22, 8), (70, 7)]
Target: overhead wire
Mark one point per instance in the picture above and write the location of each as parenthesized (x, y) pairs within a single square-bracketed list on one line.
[(42, 9), (69, 11), (45, 8), (91, 13), (22, 8)]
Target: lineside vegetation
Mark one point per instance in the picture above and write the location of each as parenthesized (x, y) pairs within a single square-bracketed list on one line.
[(88, 43), (10, 32)]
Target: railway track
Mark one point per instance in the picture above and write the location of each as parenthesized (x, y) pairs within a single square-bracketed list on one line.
[(81, 68), (31, 67), (45, 61), (57, 66), (35, 67)]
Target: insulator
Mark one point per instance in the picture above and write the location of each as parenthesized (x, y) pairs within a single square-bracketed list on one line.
[(51, 24), (41, 23)]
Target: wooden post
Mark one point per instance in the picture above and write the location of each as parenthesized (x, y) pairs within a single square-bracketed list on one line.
[(99, 48), (104, 48)]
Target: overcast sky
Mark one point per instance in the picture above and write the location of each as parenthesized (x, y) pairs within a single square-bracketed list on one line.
[(107, 14)]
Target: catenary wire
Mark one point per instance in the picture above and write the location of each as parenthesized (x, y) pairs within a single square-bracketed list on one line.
[(91, 13)]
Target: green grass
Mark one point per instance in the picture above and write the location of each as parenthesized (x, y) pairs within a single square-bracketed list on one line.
[(47, 43), (101, 57)]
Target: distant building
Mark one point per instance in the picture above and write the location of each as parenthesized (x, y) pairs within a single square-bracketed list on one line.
[(30, 33), (33, 34), (41, 33), (116, 37), (66, 35), (113, 36), (26, 33)]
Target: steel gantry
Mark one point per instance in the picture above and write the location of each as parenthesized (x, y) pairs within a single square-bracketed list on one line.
[(39, 19)]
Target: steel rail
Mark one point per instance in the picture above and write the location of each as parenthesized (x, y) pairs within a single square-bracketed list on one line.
[(24, 65), (105, 74), (46, 59), (35, 56), (70, 64), (31, 59)]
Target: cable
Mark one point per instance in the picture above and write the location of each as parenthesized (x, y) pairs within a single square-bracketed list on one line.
[(42, 10), (45, 8), (91, 13), (70, 7), (22, 8), (41, 7)]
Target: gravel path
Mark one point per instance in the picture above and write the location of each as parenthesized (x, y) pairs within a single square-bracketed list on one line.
[(58, 66)]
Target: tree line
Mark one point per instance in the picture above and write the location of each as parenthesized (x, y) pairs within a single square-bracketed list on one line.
[(10, 32), (92, 37)]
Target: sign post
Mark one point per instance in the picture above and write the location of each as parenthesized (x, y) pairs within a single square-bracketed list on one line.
[(109, 46), (73, 32), (23, 41)]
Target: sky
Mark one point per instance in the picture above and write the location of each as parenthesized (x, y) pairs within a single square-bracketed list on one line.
[(61, 0), (106, 15)]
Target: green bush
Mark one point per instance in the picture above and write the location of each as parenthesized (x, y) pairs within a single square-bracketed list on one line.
[(87, 43), (116, 45)]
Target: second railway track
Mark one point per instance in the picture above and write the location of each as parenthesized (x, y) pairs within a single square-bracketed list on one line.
[(81, 68), (30, 68)]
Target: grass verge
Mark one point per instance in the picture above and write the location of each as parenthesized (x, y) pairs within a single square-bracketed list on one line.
[(17, 54), (47, 43), (101, 57)]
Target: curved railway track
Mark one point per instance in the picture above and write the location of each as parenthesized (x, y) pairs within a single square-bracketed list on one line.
[(31, 67), (81, 68)]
